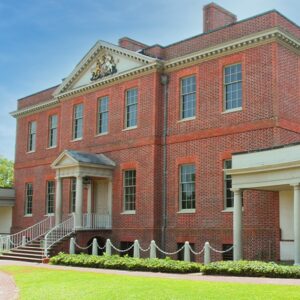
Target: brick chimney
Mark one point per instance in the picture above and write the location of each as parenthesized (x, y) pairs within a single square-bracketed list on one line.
[(215, 16), (130, 44)]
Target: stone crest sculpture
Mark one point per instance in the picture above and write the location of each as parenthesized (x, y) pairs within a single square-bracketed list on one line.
[(106, 65)]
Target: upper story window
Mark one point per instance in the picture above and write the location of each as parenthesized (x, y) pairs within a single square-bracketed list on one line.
[(233, 87), (188, 97), (50, 197), (28, 198), (187, 187), (31, 136), (52, 131), (129, 190), (131, 108), (103, 115), (78, 121), (228, 194), (73, 195)]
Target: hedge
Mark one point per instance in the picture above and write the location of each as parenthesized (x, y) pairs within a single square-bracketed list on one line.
[(251, 269), (166, 265)]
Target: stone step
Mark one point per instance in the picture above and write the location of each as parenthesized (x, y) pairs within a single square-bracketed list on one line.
[(21, 258), (25, 254), (37, 251)]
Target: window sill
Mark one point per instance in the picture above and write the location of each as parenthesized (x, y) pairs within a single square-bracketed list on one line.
[(128, 212), (76, 140), (53, 147), (228, 111), (230, 210), (49, 215), (187, 211), (129, 128), (101, 134), (186, 119), (28, 215), (32, 151)]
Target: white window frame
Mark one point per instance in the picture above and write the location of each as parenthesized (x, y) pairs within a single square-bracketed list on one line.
[(100, 115), (53, 129), (128, 107), (31, 136), (28, 199), (76, 119), (50, 197), (187, 94), (181, 183), (127, 205)]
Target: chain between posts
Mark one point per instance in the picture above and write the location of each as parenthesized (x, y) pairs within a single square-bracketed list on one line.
[(218, 251), (120, 250), (197, 253), (169, 253)]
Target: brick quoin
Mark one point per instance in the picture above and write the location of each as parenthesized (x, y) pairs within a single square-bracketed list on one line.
[(270, 116)]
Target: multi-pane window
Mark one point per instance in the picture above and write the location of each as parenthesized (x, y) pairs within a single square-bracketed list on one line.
[(52, 131), (188, 97), (129, 188), (78, 121), (233, 86), (131, 108), (50, 197), (28, 198), (103, 115), (31, 136), (72, 195), (228, 194), (187, 187)]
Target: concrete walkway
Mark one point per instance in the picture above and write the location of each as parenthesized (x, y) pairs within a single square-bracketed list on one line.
[(8, 289), (195, 276)]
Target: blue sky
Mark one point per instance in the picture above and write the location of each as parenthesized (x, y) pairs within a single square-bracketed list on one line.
[(43, 40)]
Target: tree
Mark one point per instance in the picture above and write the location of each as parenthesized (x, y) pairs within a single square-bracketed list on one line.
[(6, 172)]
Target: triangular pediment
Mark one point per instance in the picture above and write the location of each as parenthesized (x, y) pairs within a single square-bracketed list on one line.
[(102, 62)]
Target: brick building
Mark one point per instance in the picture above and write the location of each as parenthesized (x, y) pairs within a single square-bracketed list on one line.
[(135, 140)]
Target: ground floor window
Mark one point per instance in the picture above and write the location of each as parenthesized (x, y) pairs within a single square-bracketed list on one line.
[(125, 245), (28, 198), (187, 187), (229, 254), (50, 197), (72, 195), (129, 190)]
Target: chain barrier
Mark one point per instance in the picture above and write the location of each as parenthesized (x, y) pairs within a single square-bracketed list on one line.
[(144, 250), (169, 253), (196, 253), (119, 250), (218, 251), (82, 248), (101, 248)]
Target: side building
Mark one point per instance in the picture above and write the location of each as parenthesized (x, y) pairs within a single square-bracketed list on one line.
[(136, 139)]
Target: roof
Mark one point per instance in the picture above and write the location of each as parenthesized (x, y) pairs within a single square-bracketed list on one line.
[(89, 158)]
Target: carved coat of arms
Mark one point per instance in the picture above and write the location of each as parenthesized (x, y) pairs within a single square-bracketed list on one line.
[(106, 65)]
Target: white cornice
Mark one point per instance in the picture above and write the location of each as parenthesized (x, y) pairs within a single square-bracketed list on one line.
[(61, 93)]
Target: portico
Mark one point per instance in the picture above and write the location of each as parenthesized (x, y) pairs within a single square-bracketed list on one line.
[(270, 170), (87, 168)]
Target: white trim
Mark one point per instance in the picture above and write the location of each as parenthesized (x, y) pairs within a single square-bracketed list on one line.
[(76, 140), (186, 119), (130, 128), (128, 212), (187, 211), (232, 110)]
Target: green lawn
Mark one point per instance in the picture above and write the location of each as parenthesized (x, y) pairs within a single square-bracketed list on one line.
[(39, 283)]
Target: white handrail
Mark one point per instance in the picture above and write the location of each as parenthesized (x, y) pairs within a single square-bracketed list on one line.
[(57, 233), (25, 236)]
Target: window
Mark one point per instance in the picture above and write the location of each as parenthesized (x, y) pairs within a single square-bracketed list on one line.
[(78, 121), (52, 131), (228, 185), (28, 198), (31, 136), (188, 97), (129, 190), (187, 187), (103, 115), (50, 197), (131, 108), (72, 195), (233, 86)]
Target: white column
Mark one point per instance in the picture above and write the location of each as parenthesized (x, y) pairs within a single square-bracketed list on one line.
[(109, 199), (237, 225), (297, 224), (89, 205), (58, 201), (78, 202)]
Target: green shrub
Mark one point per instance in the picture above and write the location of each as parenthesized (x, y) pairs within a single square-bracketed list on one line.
[(251, 268), (166, 265)]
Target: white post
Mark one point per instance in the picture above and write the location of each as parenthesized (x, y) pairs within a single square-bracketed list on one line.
[(109, 199), (108, 247), (187, 255), (237, 225), (72, 246), (95, 247), (89, 206), (78, 202), (152, 249), (23, 241), (58, 201), (207, 258), (297, 224), (136, 249)]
